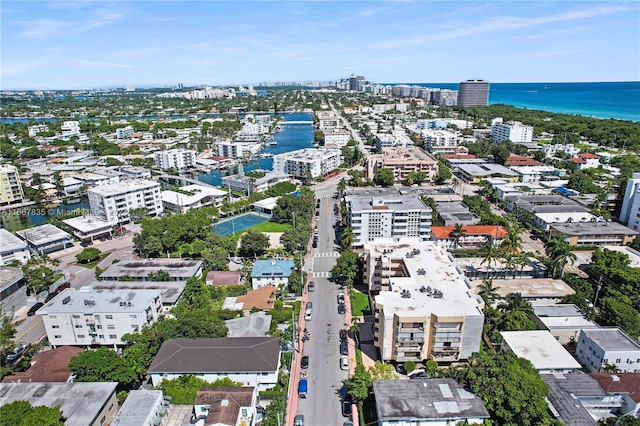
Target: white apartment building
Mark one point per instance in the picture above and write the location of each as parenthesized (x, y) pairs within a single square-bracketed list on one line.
[(12, 248), (309, 162), (551, 150), (125, 132), (336, 137), (598, 347), (237, 150), (113, 202), (423, 305), (192, 197), (328, 120), (175, 158), (437, 138), (390, 216), (630, 212), (98, 317), (10, 185), (34, 130), (385, 140), (70, 128), (511, 130)]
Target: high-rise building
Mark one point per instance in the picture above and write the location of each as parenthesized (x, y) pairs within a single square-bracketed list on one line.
[(511, 130), (473, 92), (10, 185)]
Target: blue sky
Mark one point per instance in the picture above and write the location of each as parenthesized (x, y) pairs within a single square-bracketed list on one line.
[(85, 44)]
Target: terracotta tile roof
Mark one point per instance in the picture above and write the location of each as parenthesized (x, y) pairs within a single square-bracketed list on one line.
[(443, 232), (519, 160), (224, 403), (222, 278), (623, 383), (578, 160), (588, 155), (262, 298), (47, 366)]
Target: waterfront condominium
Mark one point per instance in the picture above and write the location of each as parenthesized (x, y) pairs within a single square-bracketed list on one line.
[(630, 213), (308, 163), (175, 158), (114, 202), (424, 309), (473, 92), (10, 185), (392, 215)]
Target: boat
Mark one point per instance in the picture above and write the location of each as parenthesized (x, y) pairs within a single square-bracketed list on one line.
[(273, 142)]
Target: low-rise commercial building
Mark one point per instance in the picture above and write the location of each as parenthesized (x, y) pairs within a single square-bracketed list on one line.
[(89, 227), (308, 163), (601, 347), (45, 239), (89, 317), (542, 349), (114, 202), (90, 404), (252, 361), (402, 161), (395, 216), (426, 402), (594, 233), (423, 306), (12, 248)]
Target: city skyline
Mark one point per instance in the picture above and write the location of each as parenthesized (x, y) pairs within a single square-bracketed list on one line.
[(87, 45)]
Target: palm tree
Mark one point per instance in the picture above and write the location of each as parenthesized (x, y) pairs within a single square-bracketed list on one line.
[(512, 243), (457, 233), (455, 184), (489, 253), (514, 302), (488, 292), (563, 256), (347, 238)]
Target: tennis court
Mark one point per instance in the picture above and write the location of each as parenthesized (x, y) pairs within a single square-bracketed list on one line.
[(238, 223)]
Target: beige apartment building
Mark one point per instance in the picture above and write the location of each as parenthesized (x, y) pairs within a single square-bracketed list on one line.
[(10, 185), (424, 309), (402, 161)]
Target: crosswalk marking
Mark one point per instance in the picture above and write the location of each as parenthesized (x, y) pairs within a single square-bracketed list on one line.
[(326, 274), (327, 254)]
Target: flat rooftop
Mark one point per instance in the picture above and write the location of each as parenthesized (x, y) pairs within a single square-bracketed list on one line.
[(395, 202), (556, 317), (170, 291), (487, 169), (429, 273), (541, 348), (89, 300), (10, 243), (9, 275), (593, 228), (612, 339), (124, 186), (43, 234), (564, 389), (531, 287), (88, 224), (136, 408), (140, 269), (198, 193), (634, 255), (80, 402), (575, 217), (426, 399)]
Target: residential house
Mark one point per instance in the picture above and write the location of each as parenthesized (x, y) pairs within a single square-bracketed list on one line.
[(271, 272), (223, 278), (225, 406), (142, 408), (252, 361), (47, 366), (626, 386), (586, 160)]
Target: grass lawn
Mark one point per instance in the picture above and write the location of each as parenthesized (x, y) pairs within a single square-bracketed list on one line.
[(359, 304), (93, 264), (264, 227)]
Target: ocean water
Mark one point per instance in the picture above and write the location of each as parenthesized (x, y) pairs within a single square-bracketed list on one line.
[(619, 100)]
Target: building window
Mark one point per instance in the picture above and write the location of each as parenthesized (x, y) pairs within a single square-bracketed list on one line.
[(103, 419), (76, 316), (111, 327), (80, 336), (98, 326), (57, 336), (108, 316), (111, 407), (78, 326), (101, 336), (53, 316), (618, 361), (113, 336), (55, 326), (133, 316)]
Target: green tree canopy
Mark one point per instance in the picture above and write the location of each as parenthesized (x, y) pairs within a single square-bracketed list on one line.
[(22, 413), (89, 254), (253, 243), (384, 177), (102, 365)]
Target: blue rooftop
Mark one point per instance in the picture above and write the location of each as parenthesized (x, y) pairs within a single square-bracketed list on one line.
[(272, 268)]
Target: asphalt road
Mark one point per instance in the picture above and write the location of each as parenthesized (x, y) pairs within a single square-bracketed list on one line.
[(326, 379)]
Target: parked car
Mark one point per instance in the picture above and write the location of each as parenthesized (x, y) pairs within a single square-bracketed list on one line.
[(312, 286), (34, 309), (419, 375), (344, 349), (298, 420), (344, 363), (346, 408), (304, 362), (341, 309), (309, 306), (17, 351), (343, 334), (340, 297), (400, 369)]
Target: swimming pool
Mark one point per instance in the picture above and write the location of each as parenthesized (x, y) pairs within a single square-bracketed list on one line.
[(238, 223)]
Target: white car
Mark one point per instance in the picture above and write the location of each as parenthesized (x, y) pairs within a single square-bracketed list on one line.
[(344, 363)]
